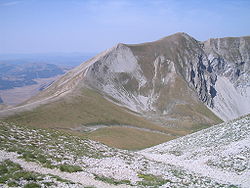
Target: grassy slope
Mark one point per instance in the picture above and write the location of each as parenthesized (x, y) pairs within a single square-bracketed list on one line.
[(90, 108), (129, 138), (87, 109)]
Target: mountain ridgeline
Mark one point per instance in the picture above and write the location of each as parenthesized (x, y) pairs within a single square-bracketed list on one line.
[(175, 85)]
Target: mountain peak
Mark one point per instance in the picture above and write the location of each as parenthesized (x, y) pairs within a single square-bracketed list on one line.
[(181, 34), (177, 36)]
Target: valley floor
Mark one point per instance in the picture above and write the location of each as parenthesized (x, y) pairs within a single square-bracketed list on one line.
[(18, 95), (215, 157)]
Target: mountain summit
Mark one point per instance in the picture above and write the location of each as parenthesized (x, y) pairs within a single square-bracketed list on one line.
[(176, 82)]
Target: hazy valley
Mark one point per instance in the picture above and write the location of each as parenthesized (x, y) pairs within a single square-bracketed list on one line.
[(24, 75)]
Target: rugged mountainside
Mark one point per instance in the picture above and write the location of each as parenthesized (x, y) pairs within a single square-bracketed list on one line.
[(160, 77), (149, 77), (176, 82), (230, 62), (217, 69), (163, 76)]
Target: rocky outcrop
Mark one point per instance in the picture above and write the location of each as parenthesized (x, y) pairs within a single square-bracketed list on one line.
[(221, 76), (230, 62), (202, 78)]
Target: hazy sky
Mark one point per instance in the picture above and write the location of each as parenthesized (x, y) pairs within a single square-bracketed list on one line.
[(41, 26)]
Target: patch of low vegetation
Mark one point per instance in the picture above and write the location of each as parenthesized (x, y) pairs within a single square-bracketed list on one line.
[(31, 185), (150, 180), (70, 168), (13, 175), (112, 180), (59, 179), (48, 184), (8, 170), (12, 184), (50, 148)]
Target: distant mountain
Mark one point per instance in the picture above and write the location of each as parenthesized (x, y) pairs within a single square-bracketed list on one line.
[(175, 85), (23, 75), (12, 76), (59, 59)]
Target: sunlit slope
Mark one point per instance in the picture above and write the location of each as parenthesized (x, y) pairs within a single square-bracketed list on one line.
[(73, 113)]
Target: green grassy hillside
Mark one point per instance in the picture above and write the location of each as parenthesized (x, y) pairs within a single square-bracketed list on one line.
[(89, 109)]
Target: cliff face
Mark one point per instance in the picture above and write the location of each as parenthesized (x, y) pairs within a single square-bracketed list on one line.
[(221, 76), (230, 62)]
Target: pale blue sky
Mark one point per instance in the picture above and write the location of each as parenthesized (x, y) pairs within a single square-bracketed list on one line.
[(42, 26)]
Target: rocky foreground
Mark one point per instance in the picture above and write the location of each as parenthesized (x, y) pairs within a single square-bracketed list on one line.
[(215, 157)]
